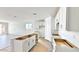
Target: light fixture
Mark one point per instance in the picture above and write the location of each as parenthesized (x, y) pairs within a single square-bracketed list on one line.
[(34, 13), (14, 16)]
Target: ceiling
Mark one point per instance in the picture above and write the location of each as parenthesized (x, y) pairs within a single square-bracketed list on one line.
[(26, 13)]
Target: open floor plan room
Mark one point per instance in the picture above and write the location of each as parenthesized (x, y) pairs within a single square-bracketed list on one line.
[(39, 29)]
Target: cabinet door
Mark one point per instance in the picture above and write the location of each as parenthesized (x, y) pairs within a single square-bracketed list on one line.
[(32, 41), (18, 46), (26, 46)]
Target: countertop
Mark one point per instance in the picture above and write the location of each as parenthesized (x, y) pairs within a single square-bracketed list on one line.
[(25, 36), (66, 49)]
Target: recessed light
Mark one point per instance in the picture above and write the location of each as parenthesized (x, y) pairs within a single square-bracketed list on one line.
[(34, 13), (14, 16)]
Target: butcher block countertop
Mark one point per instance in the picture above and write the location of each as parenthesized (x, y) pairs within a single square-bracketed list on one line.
[(26, 36)]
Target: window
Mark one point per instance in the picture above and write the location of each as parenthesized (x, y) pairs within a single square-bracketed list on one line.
[(2, 28), (29, 26)]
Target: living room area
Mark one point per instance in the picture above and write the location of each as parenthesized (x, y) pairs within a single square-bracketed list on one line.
[(39, 29), (25, 29)]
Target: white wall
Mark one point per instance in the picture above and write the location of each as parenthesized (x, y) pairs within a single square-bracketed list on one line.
[(52, 24), (19, 28), (48, 28), (73, 19)]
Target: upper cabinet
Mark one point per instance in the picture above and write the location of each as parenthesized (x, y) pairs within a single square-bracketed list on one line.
[(60, 19), (67, 19)]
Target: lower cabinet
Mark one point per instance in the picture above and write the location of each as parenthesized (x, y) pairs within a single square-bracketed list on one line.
[(71, 37), (32, 41), (24, 45)]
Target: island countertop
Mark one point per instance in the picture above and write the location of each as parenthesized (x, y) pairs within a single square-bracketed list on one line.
[(26, 36)]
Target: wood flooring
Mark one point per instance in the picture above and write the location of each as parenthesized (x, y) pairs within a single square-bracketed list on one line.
[(40, 47)]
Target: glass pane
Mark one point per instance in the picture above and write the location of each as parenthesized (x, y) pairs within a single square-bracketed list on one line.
[(28, 26)]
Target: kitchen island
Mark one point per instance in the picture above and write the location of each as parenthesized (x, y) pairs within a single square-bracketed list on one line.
[(24, 43)]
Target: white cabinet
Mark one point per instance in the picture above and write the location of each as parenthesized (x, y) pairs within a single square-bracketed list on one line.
[(68, 19), (60, 20), (21, 45), (32, 41), (24, 45)]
